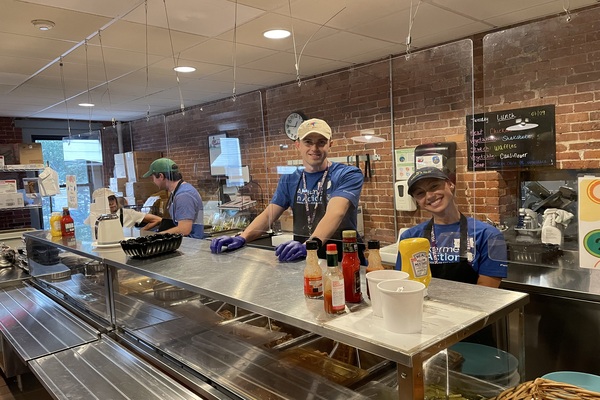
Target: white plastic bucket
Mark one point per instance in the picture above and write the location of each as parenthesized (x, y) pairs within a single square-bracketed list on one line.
[(402, 305), (373, 279)]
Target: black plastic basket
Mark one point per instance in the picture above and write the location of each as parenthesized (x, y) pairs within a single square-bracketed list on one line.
[(153, 245)]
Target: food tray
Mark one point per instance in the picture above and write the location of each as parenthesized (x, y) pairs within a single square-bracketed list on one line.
[(153, 245), (319, 363)]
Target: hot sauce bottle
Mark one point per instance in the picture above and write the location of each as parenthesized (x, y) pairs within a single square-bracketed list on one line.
[(374, 259), (351, 267), (313, 275), (333, 285), (67, 225)]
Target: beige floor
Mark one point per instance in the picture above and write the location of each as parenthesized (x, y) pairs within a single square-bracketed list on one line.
[(32, 388)]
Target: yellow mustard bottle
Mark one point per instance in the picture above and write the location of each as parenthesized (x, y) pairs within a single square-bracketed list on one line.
[(414, 253), (55, 230)]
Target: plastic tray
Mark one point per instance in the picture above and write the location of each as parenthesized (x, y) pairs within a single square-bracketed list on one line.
[(153, 245)]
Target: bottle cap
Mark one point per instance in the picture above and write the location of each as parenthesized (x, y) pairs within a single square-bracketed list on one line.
[(312, 245), (373, 244), (331, 247), (348, 234)]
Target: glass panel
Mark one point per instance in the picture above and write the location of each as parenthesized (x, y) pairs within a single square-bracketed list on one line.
[(527, 71), (360, 122), (220, 149)]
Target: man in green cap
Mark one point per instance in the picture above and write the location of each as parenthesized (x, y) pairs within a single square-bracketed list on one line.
[(184, 204)]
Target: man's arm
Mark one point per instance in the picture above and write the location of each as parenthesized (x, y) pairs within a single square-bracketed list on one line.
[(184, 227), (151, 221), (336, 210), (262, 222)]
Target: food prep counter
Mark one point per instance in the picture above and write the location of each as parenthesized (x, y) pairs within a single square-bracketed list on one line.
[(215, 324)]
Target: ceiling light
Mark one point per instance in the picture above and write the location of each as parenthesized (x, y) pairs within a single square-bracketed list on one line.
[(43, 24), (86, 105), (276, 34), (184, 69), (368, 136)]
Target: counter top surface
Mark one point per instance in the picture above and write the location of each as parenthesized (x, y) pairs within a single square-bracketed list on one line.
[(254, 279)]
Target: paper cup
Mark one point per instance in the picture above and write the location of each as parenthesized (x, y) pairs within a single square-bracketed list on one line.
[(373, 278), (402, 305)]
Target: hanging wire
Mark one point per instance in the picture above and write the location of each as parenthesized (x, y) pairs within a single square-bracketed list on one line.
[(233, 95), (87, 81), (106, 77), (62, 81), (147, 63), (297, 57), (567, 8), (182, 107), (411, 21)]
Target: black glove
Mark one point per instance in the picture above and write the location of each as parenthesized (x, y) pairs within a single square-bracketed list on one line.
[(231, 242)]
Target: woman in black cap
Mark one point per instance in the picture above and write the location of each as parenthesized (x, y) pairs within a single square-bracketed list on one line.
[(463, 249)]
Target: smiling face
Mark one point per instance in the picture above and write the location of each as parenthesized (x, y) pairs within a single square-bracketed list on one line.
[(434, 195), (314, 149)]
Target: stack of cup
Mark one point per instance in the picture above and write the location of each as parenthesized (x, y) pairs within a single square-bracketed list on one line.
[(397, 299)]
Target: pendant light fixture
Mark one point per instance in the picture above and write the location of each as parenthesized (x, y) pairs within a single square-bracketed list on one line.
[(368, 136)]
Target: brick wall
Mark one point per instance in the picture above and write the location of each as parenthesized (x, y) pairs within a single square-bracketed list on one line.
[(17, 218)]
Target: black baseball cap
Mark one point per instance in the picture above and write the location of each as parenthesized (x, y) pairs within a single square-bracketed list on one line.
[(424, 173)]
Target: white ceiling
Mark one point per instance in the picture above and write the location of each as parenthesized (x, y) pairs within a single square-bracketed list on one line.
[(115, 59)]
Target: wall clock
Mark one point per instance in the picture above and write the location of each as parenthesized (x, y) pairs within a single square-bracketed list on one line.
[(292, 122)]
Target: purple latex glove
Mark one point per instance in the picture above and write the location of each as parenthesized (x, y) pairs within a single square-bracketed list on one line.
[(231, 242), (290, 251)]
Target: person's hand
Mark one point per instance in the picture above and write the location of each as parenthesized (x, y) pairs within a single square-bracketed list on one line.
[(231, 242), (290, 251)]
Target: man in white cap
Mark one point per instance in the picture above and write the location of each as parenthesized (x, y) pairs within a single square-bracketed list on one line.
[(323, 196)]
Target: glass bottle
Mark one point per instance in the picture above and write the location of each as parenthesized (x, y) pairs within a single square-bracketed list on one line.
[(351, 267), (313, 275), (415, 259), (333, 283), (374, 259), (55, 226), (67, 225)]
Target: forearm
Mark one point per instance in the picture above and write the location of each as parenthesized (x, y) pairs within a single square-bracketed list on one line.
[(184, 227), (151, 221)]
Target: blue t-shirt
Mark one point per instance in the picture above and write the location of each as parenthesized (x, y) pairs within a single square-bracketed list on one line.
[(187, 204), (342, 181), (485, 242)]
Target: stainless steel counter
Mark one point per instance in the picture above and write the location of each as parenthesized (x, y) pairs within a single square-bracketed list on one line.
[(253, 279)]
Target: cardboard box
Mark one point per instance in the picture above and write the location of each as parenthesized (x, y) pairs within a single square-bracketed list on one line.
[(11, 200), (8, 186), (117, 184), (140, 190), (137, 163), (30, 153)]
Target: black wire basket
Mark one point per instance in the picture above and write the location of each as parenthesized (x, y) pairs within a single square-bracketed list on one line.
[(153, 245)]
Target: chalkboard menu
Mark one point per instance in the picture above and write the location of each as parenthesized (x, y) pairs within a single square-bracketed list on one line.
[(511, 139)]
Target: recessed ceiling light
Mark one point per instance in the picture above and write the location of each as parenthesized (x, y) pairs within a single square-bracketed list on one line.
[(86, 105), (43, 24), (276, 34), (184, 69)]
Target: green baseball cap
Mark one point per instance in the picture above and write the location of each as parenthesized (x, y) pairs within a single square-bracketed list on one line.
[(162, 165)]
